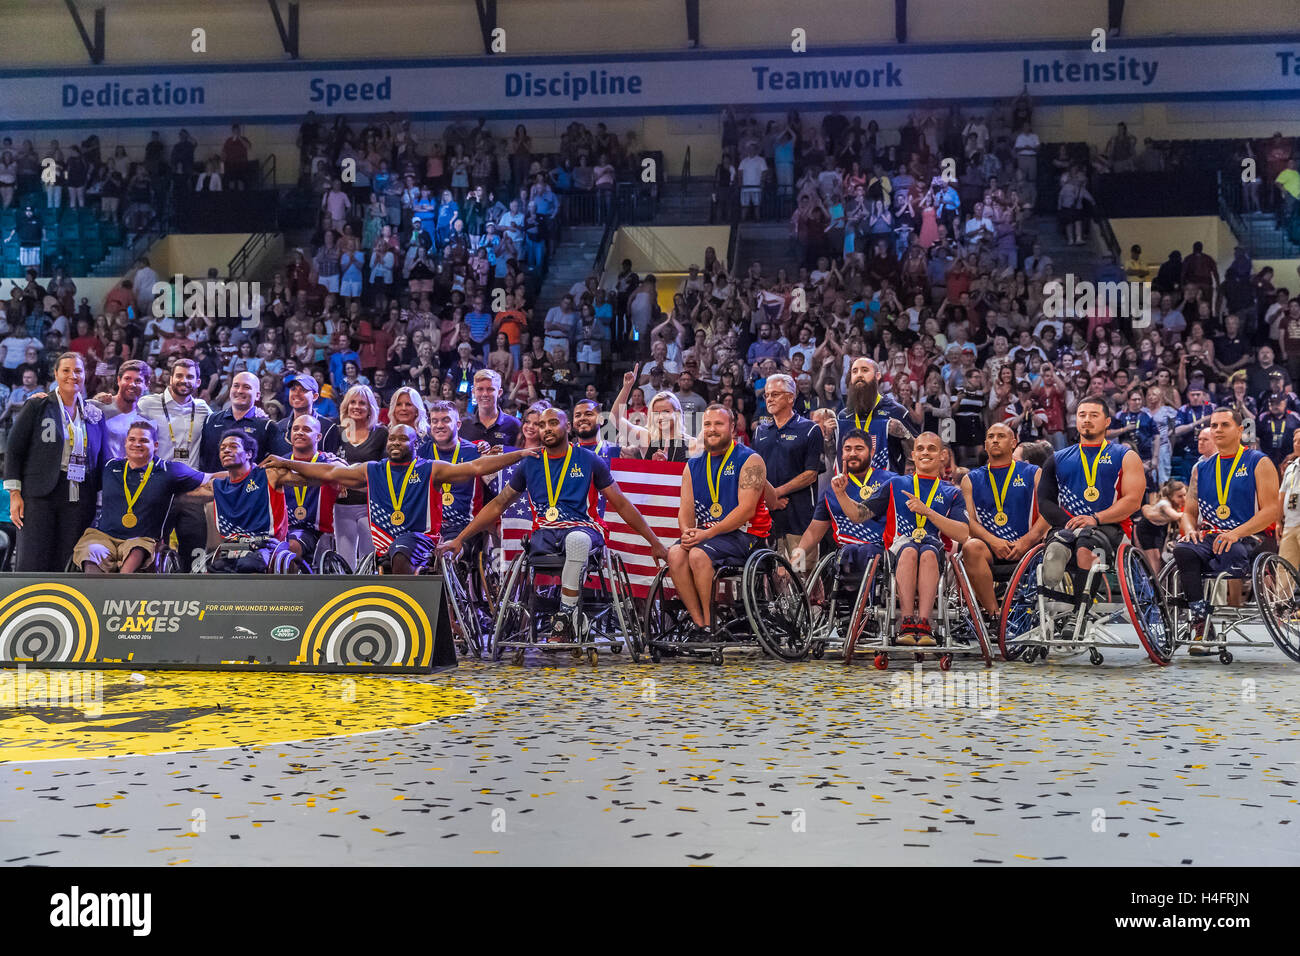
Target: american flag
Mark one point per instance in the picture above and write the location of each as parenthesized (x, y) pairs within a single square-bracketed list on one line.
[(653, 486)]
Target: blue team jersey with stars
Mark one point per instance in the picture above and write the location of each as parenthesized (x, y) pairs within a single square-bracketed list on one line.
[(421, 511), (876, 424), (573, 487), (467, 496), (891, 501), (845, 529), (1243, 502), (1071, 482), (1021, 502), (728, 485), (249, 507)]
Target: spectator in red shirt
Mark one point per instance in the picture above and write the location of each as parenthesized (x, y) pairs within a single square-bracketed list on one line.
[(234, 157)]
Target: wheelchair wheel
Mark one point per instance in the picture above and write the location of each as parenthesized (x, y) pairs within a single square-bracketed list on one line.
[(1169, 590), (625, 609), (1145, 609), (369, 564), (866, 627), (665, 618), (1277, 592), (1020, 608), (776, 606), (331, 562), (463, 617), (512, 607), (964, 619), (486, 584), (819, 591), (167, 563)]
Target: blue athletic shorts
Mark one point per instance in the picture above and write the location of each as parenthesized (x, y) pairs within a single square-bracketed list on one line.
[(1235, 561), (920, 547), (734, 547), (417, 547), (551, 540), (856, 558)]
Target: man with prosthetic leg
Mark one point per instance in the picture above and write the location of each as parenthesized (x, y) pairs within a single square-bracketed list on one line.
[(1231, 499), (1002, 506), (1088, 494), (558, 485)]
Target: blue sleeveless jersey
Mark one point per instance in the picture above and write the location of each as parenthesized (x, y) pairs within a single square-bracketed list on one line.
[(846, 530), (467, 496), (891, 501), (728, 484), (421, 511), (1242, 501), (1021, 503), (1071, 483), (886, 410), (249, 507), (573, 501)]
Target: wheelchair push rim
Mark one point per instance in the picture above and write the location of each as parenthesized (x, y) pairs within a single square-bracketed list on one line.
[(1020, 606), (1146, 610), (970, 616), (512, 613), (1277, 592), (776, 606)]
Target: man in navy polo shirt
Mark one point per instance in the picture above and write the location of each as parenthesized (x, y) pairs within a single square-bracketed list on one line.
[(137, 495), (245, 390), (791, 447)]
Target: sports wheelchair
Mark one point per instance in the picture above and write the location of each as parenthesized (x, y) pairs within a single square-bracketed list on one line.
[(472, 583), (1274, 605), (759, 603), (325, 561), (859, 613), (530, 596), (165, 561), (1084, 615)]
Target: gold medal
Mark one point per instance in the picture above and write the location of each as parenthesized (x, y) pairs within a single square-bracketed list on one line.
[(129, 519), (300, 495), (447, 498), (300, 513), (1090, 474), (864, 489), (1223, 511), (918, 534), (715, 487), (398, 518), (1000, 518), (397, 497), (553, 489)]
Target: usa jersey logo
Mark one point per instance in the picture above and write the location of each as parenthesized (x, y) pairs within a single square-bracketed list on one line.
[(250, 487), (730, 469), (575, 472), (1019, 482)]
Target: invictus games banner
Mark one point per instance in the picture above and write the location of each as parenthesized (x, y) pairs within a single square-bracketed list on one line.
[(701, 81), (386, 624)]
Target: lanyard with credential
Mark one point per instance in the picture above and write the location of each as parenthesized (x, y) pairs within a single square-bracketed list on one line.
[(398, 497), (715, 487), (919, 533), (999, 498), (189, 435)]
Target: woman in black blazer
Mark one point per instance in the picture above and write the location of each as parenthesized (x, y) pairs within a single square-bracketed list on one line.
[(52, 469)]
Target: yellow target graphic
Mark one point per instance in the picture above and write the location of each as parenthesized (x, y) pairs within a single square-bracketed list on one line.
[(376, 624), (48, 624)]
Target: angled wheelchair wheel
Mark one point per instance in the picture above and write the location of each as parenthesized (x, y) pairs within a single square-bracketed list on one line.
[(776, 606), (873, 611), (369, 564), (1020, 607), (512, 607), (486, 584), (1169, 588), (665, 618), (964, 620), (167, 562), (464, 620), (625, 610), (331, 562), (1277, 592), (1145, 609), (819, 589)]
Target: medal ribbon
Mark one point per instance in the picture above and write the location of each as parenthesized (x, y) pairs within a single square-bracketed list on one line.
[(132, 499), (1091, 476), (715, 486), (1219, 484), (916, 489), (455, 457), (395, 497), (553, 496), (870, 415), (1000, 497), (300, 494), (863, 483)]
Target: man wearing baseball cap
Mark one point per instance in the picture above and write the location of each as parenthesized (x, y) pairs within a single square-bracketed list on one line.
[(1276, 427), (303, 391)]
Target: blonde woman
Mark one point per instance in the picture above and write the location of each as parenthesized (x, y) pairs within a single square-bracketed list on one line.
[(664, 437), (407, 407), (364, 439)]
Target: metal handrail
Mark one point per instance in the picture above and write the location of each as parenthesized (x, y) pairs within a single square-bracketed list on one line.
[(267, 167), (686, 170), (239, 263)]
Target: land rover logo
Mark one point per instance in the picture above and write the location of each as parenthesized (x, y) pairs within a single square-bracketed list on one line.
[(285, 632)]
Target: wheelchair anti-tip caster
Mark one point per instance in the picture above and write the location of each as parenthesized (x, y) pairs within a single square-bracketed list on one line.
[(716, 657), (1095, 657), (616, 648), (517, 658), (818, 651), (945, 662), (881, 661), (1225, 656)]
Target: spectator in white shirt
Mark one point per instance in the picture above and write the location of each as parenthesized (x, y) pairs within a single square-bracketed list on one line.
[(1027, 152), (752, 170)]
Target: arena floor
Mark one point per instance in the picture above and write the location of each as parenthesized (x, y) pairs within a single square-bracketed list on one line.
[(675, 764)]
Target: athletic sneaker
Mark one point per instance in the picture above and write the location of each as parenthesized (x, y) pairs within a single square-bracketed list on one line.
[(907, 632), (1200, 612), (562, 631), (924, 637)]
